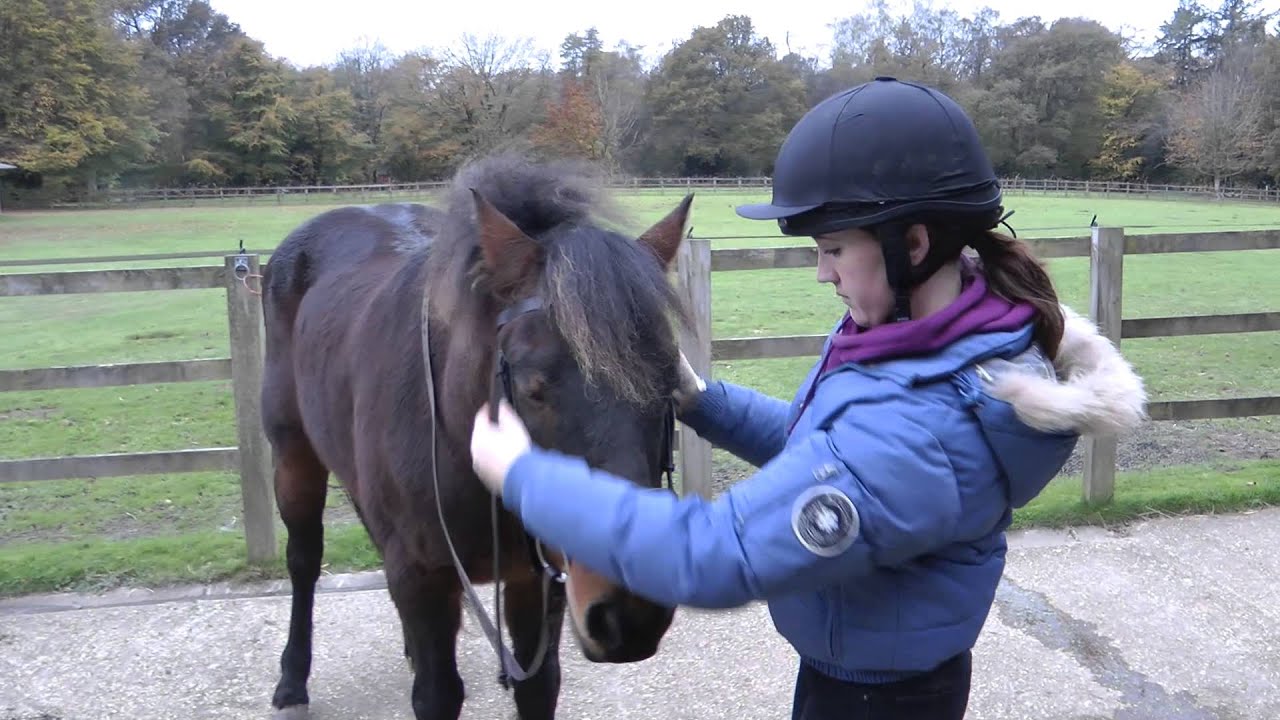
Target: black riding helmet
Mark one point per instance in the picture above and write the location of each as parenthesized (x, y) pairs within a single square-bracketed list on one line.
[(879, 156)]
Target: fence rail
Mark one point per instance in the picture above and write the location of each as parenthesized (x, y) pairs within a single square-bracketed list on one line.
[(1106, 247), (144, 257), (91, 376), (279, 193), (117, 464), (117, 196), (94, 281)]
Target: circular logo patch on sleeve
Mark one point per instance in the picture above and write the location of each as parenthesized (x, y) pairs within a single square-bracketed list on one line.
[(824, 520)]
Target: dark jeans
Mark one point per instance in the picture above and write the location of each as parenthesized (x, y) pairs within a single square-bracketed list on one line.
[(940, 694)]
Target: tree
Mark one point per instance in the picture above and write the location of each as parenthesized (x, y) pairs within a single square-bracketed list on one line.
[(931, 46), (619, 84), (68, 108), (422, 138), (1060, 72), (490, 91), (1267, 73), (615, 81), (721, 103), (1133, 106), (324, 145), (364, 73), (1217, 126), (977, 36), (255, 116), (186, 47), (1183, 41), (573, 126), (1236, 28), (1007, 126), (578, 53)]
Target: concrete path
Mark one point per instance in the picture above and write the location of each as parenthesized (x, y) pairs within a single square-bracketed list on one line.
[(1173, 619)]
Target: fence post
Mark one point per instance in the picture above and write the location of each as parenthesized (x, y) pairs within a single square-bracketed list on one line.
[(1106, 282), (694, 269), (244, 322)]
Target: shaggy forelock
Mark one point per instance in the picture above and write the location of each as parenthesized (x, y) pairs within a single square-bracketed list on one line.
[(536, 196), (612, 303), (606, 293)]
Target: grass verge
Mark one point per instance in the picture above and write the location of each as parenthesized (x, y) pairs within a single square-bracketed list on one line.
[(1140, 495), (97, 564), (207, 556)]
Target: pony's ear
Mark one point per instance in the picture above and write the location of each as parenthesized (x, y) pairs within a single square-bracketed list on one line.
[(507, 252), (665, 235)]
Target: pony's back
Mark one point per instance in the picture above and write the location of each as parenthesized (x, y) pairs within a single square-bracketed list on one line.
[(344, 237)]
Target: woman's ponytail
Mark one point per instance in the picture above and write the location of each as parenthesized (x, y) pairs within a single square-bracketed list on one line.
[(1017, 275)]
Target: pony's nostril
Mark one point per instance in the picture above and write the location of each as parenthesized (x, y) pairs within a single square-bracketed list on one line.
[(604, 626)]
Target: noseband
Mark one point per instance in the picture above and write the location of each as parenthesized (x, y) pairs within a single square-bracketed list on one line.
[(502, 388)]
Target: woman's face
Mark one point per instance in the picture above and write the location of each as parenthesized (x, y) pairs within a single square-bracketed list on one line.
[(851, 261)]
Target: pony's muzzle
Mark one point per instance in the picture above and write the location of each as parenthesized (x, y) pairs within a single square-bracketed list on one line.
[(624, 628)]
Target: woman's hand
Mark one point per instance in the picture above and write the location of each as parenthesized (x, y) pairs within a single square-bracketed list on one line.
[(496, 446), (689, 386)]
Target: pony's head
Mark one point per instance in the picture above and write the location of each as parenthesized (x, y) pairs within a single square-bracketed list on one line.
[(582, 315)]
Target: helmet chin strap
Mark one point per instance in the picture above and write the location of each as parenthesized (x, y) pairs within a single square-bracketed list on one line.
[(897, 266), (903, 277)]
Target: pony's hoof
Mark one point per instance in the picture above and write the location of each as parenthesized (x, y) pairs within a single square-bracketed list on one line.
[(293, 712)]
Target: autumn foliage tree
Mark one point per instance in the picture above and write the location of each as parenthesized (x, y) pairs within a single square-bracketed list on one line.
[(1133, 105), (573, 126), (1218, 126), (69, 107)]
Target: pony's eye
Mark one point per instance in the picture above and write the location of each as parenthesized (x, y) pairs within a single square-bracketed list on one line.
[(533, 387)]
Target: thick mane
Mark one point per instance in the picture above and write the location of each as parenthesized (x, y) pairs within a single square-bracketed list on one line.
[(608, 295), (612, 303)]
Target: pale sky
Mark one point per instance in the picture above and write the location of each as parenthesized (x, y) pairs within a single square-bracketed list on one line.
[(310, 32)]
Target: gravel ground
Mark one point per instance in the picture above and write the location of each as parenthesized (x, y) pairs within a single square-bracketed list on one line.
[(1168, 444), (1168, 620)]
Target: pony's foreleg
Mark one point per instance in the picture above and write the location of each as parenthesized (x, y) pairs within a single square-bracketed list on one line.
[(430, 609), (536, 697), (300, 486)]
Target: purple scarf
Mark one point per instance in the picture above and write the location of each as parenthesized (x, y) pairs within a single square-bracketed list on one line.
[(976, 309)]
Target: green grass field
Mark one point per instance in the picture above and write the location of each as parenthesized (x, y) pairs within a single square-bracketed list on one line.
[(154, 529)]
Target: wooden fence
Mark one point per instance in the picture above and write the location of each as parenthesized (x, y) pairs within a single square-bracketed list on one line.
[(379, 191), (1106, 248), (389, 191), (251, 457)]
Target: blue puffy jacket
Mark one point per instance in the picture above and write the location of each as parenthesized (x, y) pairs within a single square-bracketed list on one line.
[(875, 529)]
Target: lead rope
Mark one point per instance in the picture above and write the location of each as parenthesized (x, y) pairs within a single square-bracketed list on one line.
[(510, 667)]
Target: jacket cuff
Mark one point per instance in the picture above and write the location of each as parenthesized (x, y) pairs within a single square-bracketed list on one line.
[(709, 409), (525, 469)]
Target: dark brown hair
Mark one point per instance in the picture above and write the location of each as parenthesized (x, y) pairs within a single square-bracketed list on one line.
[(1016, 274), (1011, 269)]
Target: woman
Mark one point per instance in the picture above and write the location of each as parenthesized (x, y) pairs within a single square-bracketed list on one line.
[(950, 393)]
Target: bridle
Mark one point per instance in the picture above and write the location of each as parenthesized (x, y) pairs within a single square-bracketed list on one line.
[(501, 387)]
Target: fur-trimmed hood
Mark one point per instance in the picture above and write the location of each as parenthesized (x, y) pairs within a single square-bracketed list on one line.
[(1093, 390)]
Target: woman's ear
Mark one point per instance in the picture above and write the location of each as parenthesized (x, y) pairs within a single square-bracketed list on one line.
[(917, 243)]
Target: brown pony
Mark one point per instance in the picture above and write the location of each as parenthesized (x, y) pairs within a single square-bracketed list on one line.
[(589, 364)]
